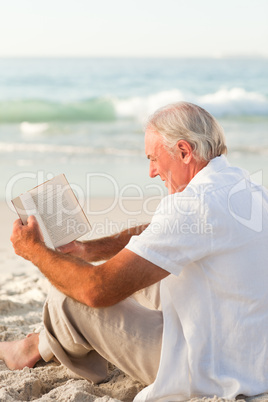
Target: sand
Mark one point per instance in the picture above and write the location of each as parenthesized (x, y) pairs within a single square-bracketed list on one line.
[(23, 290)]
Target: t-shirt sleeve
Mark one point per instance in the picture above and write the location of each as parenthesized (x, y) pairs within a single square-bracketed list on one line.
[(177, 235)]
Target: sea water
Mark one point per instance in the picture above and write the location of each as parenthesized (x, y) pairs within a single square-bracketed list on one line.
[(85, 117)]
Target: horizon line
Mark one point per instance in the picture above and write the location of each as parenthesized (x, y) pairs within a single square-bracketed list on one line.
[(215, 57)]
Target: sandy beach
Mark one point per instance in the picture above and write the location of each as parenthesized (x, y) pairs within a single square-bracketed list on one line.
[(23, 290)]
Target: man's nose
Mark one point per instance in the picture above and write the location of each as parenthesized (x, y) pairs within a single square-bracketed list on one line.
[(152, 170)]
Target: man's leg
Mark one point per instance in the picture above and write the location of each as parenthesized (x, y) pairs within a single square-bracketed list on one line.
[(149, 297), (127, 334)]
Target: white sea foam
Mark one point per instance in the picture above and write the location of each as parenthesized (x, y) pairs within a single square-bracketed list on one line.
[(69, 150), (31, 129), (234, 102), (64, 149), (141, 107)]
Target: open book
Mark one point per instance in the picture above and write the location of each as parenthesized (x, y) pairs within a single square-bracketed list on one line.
[(57, 210)]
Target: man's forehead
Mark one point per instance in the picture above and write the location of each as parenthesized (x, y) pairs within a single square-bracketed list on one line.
[(153, 140), (151, 131)]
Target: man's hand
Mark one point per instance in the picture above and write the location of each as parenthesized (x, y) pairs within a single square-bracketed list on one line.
[(101, 249), (75, 248), (26, 237)]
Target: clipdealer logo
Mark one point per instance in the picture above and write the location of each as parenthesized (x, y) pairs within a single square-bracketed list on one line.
[(251, 195)]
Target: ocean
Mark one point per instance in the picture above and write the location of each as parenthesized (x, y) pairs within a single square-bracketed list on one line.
[(84, 117)]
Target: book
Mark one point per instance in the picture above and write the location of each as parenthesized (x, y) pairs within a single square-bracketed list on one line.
[(60, 217)]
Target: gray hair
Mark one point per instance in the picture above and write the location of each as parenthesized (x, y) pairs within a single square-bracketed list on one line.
[(189, 122)]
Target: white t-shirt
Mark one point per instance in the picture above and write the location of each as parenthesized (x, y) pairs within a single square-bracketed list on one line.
[(213, 239)]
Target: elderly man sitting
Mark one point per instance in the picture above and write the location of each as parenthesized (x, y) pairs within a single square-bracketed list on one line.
[(180, 304)]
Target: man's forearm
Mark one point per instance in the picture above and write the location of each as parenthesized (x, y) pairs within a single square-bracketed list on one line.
[(67, 273), (95, 286), (107, 247)]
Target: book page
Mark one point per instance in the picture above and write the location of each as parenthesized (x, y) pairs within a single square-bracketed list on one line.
[(60, 211), (30, 209)]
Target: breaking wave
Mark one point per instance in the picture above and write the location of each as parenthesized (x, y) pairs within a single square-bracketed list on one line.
[(224, 102)]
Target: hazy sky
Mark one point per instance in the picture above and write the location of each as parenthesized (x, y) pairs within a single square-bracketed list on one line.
[(173, 28)]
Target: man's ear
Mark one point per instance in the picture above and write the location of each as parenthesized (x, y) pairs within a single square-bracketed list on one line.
[(185, 151)]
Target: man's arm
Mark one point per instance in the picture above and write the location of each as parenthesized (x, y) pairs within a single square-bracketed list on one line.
[(96, 286), (103, 248)]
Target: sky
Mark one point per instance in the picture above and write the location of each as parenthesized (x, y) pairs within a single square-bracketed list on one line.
[(133, 28)]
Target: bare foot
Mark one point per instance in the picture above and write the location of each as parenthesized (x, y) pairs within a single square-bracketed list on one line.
[(21, 353)]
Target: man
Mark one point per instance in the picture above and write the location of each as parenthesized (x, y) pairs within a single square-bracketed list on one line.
[(206, 249)]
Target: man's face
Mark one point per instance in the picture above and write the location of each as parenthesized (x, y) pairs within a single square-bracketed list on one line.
[(171, 168)]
